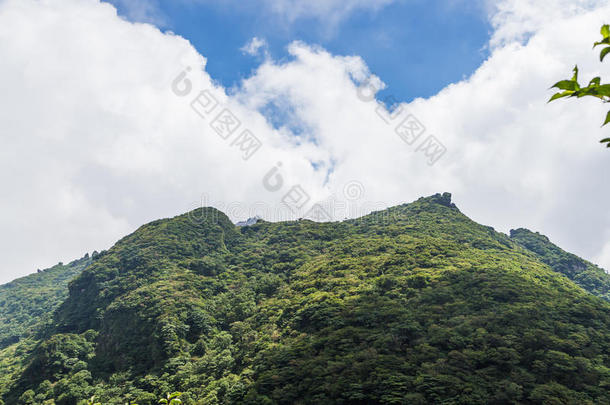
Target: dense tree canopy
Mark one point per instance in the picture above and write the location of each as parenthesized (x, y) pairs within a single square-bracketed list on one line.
[(416, 304), (27, 303)]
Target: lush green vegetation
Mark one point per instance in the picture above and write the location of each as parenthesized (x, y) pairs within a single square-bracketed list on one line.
[(585, 274), (27, 304), (412, 305)]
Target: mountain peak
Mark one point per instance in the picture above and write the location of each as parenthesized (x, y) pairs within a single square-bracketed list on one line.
[(523, 232), (441, 199)]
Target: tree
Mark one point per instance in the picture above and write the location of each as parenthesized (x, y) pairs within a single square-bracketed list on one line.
[(571, 88)]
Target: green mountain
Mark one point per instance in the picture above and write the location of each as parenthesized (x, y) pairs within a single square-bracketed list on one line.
[(27, 304), (416, 304)]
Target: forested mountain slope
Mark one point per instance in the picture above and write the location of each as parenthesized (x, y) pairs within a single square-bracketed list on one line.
[(584, 273), (26, 303), (416, 304)]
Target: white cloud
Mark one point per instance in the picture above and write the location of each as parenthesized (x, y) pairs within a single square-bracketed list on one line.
[(95, 143), (330, 10), (256, 47), (515, 20)]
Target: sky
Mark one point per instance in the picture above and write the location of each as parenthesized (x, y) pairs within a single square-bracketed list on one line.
[(409, 43), (114, 114)]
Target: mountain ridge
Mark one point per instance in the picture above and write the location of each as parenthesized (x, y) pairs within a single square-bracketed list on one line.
[(415, 303)]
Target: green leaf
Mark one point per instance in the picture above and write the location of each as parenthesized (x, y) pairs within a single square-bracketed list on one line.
[(595, 81), (565, 85), (603, 53), (605, 30), (575, 77), (588, 91), (560, 95), (605, 41), (603, 90), (607, 119)]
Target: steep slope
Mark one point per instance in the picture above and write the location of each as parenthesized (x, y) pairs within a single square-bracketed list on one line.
[(28, 302), (415, 304), (584, 273)]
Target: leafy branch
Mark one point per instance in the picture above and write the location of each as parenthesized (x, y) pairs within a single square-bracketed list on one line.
[(171, 399), (571, 88)]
